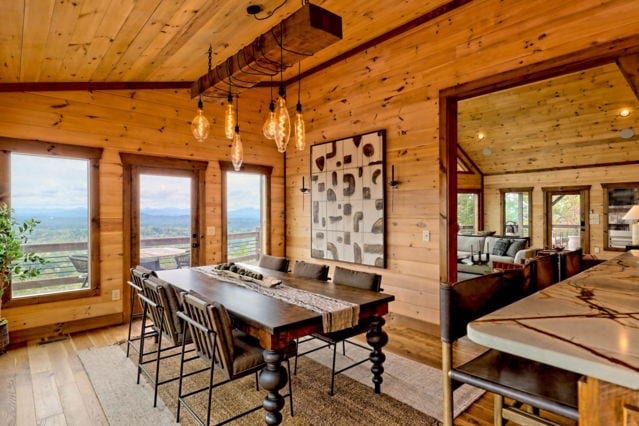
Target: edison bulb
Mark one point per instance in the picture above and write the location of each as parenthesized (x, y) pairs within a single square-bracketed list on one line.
[(237, 150), (300, 131), (200, 126), (229, 119), (282, 124), (268, 130)]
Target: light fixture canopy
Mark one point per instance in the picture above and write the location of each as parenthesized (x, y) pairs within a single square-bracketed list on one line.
[(200, 124)]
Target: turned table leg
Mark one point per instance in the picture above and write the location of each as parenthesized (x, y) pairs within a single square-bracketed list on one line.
[(273, 378), (377, 338)]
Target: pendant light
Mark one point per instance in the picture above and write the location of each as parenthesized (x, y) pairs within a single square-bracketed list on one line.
[(300, 131), (237, 150), (282, 120), (268, 130), (200, 125), (229, 123)]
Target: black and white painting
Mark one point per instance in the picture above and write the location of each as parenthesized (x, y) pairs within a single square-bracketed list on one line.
[(347, 200)]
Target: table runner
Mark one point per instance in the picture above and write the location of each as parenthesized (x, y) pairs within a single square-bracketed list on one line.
[(336, 314)]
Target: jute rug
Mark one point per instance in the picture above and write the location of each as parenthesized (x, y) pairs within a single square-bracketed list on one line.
[(411, 392)]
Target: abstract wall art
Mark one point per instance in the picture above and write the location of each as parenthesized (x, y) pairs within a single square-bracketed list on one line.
[(347, 200)]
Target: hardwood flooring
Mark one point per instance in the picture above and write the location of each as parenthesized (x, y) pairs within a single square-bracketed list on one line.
[(45, 383)]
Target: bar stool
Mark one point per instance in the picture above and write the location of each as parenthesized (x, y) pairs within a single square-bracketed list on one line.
[(138, 274)]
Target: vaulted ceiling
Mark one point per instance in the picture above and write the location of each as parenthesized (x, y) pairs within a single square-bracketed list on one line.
[(569, 121), (166, 41)]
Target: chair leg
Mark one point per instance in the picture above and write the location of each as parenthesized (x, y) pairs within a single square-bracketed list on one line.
[(332, 392), (128, 339), (179, 400), (257, 381), (290, 387), (297, 343), (344, 347), (157, 363), (498, 402), (142, 339), (210, 401)]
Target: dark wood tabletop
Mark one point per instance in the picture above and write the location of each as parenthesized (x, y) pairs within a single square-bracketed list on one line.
[(274, 321)]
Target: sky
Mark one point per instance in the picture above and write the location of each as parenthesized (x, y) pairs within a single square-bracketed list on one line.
[(61, 183)]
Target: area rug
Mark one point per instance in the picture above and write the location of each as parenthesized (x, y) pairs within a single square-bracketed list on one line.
[(411, 392)]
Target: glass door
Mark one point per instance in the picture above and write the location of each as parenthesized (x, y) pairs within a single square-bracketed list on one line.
[(565, 218)]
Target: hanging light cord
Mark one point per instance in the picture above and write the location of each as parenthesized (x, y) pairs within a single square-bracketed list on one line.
[(270, 14), (237, 113), (299, 81)]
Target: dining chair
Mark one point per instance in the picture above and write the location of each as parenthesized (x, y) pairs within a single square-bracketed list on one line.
[(160, 300), (273, 262), (356, 279), (313, 271), (546, 270), (138, 275), (81, 264), (235, 353), (571, 263), (538, 385)]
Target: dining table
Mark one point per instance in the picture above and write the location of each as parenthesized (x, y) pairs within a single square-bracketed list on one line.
[(587, 324), (276, 322)]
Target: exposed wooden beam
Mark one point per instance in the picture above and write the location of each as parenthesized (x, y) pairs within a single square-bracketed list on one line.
[(305, 32), (89, 86), (629, 67)]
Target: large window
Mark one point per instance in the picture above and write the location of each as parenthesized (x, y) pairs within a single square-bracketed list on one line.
[(57, 186), (516, 211), (246, 212), (468, 212)]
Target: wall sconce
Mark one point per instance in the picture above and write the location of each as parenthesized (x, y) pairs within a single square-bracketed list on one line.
[(393, 183), (304, 190)]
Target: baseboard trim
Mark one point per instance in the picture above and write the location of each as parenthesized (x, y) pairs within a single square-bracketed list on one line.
[(415, 324), (57, 330)]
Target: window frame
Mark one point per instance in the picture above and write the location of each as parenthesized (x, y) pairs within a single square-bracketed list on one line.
[(479, 206), (606, 204), (584, 192), (54, 149), (502, 208), (266, 171)]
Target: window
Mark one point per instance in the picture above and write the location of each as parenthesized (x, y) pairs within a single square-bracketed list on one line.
[(468, 212), (516, 211), (565, 218), (56, 185), (618, 198), (246, 212)]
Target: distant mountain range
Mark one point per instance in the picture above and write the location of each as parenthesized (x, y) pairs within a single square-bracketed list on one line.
[(243, 213)]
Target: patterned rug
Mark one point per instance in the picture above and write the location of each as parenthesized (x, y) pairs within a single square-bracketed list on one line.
[(411, 392)]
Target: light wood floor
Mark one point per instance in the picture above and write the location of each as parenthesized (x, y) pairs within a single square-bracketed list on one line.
[(45, 384)]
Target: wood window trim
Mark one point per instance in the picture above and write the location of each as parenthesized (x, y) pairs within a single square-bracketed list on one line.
[(480, 204), (502, 208), (606, 201), (132, 164), (266, 171), (584, 192), (43, 148)]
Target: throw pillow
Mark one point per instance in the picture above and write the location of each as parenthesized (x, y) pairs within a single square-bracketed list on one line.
[(515, 246), (500, 247)]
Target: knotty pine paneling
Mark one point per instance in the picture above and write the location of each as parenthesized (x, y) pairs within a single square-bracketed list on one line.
[(395, 86), (148, 123), (594, 176)]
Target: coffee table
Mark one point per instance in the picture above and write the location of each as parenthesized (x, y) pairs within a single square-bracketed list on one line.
[(476, 269)]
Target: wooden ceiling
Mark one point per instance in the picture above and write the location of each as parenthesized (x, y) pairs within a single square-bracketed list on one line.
[(567, 121), (167, 41)]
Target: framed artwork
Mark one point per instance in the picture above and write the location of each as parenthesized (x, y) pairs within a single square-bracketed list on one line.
[(347, 200)]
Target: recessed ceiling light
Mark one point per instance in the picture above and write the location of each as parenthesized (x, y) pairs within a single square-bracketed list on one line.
[(625, 112), (627, 133), (481, 136)]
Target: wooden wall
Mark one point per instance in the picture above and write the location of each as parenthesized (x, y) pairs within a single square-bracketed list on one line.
[(142, 122), (395, 86), (593, 176)]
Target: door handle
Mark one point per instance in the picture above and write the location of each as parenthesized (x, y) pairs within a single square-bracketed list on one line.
[(195, 245)]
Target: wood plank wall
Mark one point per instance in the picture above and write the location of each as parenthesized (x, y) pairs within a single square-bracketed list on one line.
[(395, 86), (594, 176), (153, 122)]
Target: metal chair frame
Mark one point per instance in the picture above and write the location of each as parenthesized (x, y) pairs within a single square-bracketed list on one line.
[(135, 283)]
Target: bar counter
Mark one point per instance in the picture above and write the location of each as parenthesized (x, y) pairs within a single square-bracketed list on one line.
[(588, 324)]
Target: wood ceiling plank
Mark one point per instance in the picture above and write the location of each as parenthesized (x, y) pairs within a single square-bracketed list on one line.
[(114, 18), (153, 55), (65, 14), (12, 13), (86, 27), (134, 23), (37, 19), (156, 24)]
